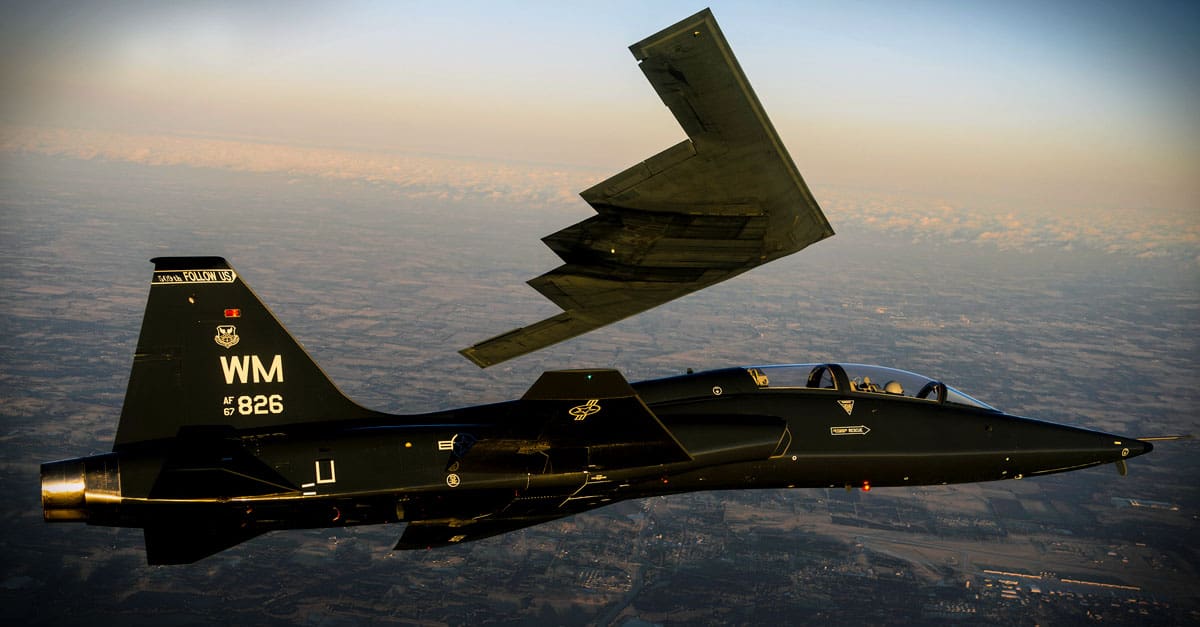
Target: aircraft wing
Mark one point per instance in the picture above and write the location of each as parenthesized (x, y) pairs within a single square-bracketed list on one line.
[(185, 540), (717, 204), (429, 535), (577, 420)]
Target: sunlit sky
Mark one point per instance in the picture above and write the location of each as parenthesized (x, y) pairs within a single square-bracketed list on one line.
[(1072, 104)]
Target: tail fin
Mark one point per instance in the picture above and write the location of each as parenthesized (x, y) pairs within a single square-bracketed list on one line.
[(211, 353)]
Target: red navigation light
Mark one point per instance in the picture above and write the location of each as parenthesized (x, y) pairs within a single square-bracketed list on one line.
[(866, 486), (233, 313)]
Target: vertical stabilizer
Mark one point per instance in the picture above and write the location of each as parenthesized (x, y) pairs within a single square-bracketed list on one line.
[(211, 353)]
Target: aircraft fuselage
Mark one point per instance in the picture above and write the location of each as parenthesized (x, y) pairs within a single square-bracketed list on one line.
[(469, 469)]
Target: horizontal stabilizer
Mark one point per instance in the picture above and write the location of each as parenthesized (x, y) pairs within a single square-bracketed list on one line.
[(184, 542)]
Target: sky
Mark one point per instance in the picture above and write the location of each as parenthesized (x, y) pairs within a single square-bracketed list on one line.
[(1066, 105)]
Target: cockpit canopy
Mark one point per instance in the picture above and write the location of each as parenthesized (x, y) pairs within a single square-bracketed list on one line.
[(862, 379)]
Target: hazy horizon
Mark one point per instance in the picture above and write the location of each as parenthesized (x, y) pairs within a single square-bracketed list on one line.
[(1011, 106)]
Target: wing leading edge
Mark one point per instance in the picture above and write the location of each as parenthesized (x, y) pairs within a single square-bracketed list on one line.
[(725, 200)]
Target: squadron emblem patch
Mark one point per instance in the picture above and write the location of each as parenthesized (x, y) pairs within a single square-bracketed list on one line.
[(226, 336), (581, 412)]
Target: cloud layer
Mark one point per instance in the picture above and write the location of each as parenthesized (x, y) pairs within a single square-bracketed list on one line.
[(1140, 233), (537, 186)]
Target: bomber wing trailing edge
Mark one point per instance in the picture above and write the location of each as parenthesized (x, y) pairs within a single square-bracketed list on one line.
[(725, 200), (230, 430)]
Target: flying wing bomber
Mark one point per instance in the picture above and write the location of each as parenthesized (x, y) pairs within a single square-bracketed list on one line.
[(230, 430), (713, 206)]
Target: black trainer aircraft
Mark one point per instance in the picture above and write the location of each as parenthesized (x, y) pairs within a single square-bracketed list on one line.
[(230, 430)]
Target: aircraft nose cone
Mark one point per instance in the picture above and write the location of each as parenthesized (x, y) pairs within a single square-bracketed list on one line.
[(1045, 448), (1135, 447), (1108, 447)]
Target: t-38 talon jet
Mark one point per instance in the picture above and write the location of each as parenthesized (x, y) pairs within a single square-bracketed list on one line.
[(230, 430)]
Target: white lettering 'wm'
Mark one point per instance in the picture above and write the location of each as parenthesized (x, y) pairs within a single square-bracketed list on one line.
[(247, 368)]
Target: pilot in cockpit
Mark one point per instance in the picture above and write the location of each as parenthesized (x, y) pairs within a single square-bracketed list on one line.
[(864, 384)]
